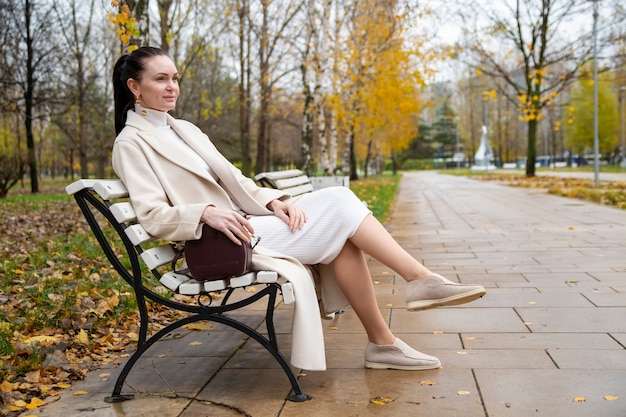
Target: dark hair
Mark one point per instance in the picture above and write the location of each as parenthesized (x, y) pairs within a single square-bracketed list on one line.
[(129, 66)]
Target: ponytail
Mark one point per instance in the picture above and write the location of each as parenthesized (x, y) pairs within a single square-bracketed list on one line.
[(129, 66)]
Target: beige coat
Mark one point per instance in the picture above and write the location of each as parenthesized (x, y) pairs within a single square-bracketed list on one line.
[(169, 194)]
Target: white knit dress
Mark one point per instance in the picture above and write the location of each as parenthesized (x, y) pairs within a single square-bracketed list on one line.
[(334, 215)]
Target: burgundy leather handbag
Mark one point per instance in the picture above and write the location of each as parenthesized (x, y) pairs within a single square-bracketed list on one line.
[(214, 256)]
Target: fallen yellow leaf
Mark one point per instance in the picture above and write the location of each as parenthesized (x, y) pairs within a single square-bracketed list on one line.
[(461, 353), (6, 386), (334, 328), (63, 385), (382, 400), (195, 343), (34, 403), (611, 397), (199, 326), (82, 337), (81, 393), (470, 338), (579, 399), (41, 340), (437, 331), (428, 382), (463, 392)]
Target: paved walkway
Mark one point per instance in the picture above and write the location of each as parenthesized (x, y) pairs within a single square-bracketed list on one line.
[(548, 339)]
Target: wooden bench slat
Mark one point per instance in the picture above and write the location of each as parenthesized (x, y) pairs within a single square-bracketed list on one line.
[(109, 189), (160, 255), (137, 234), (218, 285), (172, 280), (302, 189), (275, 175), (243, 280), (266, 277), (79, 185), (123, 212), (291, 182), (289, 296), (191, 287)]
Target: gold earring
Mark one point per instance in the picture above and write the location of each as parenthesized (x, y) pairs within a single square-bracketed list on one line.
[(137, 101)]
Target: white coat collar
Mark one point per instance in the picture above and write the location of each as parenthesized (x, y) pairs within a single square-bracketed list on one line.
[(199, 142)]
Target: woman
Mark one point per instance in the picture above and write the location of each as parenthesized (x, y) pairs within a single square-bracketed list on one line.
[(177, 180)]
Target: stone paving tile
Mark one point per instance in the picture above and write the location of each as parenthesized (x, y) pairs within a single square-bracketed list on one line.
[(182, 375), (606, 299), (551, 393), (589, 359), (349, 393), (256, 393), (521, 341), (530, 299), (86, 399), (494, 358), (458, 320), (572, 320), (619, 337)]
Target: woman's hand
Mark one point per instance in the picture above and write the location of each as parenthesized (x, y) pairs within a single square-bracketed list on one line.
[(229, 222), (290, 213)]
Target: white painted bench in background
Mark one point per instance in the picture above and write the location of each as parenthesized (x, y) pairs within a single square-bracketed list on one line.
[(295, 182)]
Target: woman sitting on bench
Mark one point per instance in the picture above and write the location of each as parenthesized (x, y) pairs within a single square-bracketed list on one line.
[(177, 180)]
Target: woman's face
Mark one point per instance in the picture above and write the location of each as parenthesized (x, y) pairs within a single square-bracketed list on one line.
[(158, 88)]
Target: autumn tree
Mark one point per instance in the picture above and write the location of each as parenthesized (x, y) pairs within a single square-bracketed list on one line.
[(315, 59), (273, 29), (13, 158), (445, 130), (35, 59), (526, 46), (378, 103), (578, 118), (77, 26)]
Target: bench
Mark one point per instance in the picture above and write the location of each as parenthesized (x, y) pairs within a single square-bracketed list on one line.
[(111, 217), (295, 182)]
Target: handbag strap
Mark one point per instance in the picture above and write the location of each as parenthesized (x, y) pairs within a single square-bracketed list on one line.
[(179, 254)]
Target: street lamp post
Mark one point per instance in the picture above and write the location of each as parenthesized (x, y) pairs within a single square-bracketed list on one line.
[(596, 145), (623, 153)]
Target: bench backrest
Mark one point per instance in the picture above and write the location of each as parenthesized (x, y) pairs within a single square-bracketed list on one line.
[(295, 182)]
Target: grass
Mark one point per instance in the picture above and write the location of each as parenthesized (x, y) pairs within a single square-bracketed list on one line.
[(610, 193), (378, 192), (51, 274)]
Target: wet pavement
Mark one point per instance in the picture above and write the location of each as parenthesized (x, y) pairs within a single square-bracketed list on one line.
[(548, 339)]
